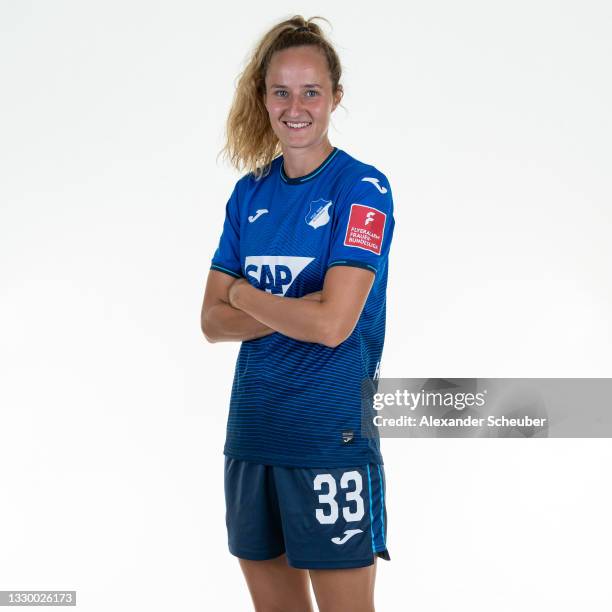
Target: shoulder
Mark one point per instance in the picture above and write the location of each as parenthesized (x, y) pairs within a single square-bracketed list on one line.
[(358, 179), (249, 183), (353, 167), (252, 181)]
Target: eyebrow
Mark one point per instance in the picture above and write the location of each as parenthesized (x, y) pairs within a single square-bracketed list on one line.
[(306, 85)]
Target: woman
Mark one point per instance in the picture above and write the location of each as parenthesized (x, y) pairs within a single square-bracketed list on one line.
[(299, 277)]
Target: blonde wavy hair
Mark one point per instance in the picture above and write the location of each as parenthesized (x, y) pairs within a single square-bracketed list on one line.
[(251, 144)]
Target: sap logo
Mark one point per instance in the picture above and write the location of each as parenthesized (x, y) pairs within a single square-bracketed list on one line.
[(274, 273), (318, 213)]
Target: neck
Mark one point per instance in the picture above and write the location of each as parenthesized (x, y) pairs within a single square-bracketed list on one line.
[(302, 161)]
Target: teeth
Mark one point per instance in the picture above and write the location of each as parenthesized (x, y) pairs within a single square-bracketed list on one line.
[(296, 125)]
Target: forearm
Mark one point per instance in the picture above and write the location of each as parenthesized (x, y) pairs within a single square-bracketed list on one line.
[(224, 323), (301, 319)]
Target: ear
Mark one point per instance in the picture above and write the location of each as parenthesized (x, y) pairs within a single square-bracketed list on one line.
[(338, 97)]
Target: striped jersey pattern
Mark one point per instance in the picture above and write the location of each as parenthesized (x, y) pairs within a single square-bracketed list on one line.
[(298, 403)]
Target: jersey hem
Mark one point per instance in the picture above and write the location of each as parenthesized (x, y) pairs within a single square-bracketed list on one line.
[(353, 263), (249, 555), (335, 564), (225, 270), (304, 463)]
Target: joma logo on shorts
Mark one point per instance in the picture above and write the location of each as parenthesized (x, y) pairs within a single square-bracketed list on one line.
[(348, 534), (274, 273)]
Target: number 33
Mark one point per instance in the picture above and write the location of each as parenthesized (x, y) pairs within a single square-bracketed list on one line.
[(329, 498)]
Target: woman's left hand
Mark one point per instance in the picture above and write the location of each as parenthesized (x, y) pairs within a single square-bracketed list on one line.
[(234, 288)]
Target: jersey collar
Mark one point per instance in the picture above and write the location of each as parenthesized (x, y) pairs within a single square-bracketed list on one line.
[(302, 179)]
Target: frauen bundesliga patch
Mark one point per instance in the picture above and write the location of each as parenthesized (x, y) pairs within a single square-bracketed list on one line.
[(365, 228)]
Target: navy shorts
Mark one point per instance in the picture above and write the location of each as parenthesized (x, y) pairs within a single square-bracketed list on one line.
[(322, 518)]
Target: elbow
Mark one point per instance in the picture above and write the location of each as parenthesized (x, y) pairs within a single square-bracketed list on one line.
[(206, 329), (207, 335), (335, 333), (209, 338)]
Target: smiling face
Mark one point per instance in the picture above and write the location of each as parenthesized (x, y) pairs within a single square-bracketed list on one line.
[(299, 97)]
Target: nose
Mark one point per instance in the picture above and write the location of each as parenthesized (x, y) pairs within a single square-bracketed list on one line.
[(295, 107)]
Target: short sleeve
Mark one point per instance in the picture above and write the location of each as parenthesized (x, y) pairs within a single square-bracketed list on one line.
[(227, 256), (363, 223)]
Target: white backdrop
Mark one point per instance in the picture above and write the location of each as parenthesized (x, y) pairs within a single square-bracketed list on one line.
[(491, 121)]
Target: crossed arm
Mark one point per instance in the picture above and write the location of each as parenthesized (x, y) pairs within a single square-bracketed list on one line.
[(234, 310)]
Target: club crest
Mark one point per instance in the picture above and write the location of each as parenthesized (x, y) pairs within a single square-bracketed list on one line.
[(318, 213)]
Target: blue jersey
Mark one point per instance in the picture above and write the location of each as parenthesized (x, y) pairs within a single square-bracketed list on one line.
[(298, 403)]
